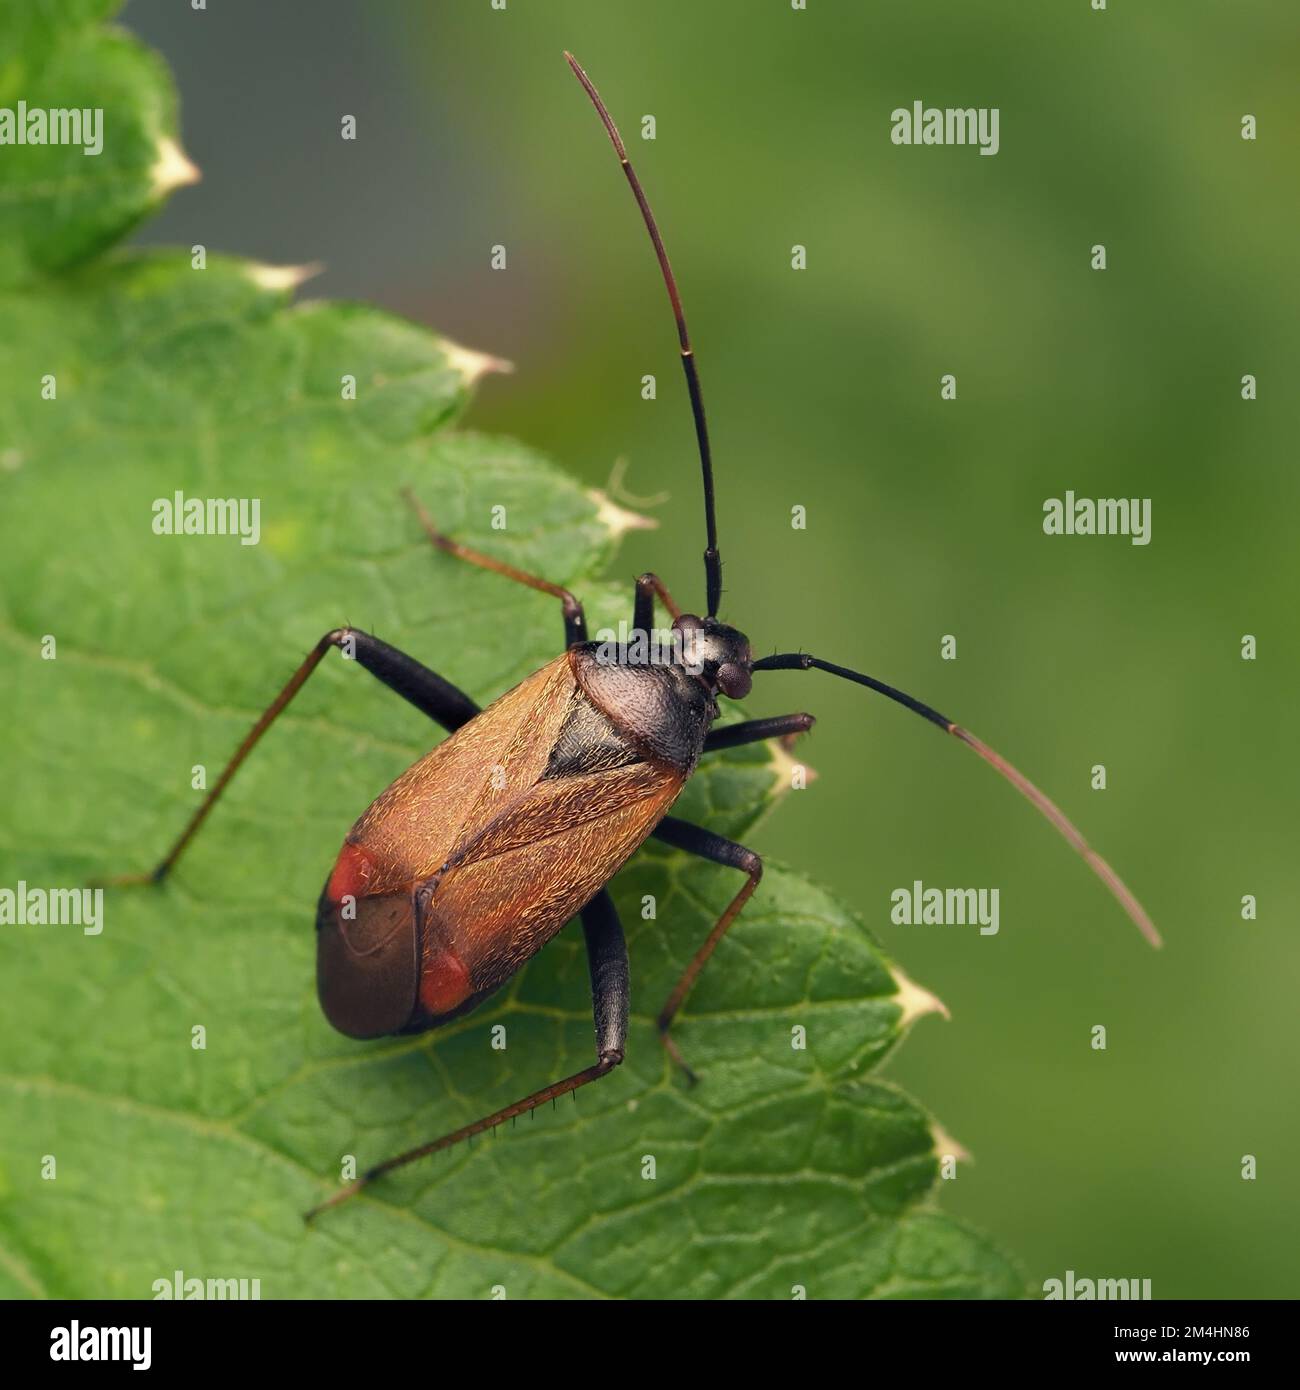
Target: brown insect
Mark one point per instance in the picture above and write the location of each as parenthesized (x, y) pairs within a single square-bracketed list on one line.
[(478, 854)]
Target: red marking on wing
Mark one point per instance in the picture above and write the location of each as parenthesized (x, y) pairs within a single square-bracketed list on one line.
[(445, 983), (352, 873)]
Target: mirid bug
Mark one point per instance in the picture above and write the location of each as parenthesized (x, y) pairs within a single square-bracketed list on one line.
[(478, 854)]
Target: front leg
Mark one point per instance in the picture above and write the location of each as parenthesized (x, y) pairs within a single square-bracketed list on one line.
[(783, 726)]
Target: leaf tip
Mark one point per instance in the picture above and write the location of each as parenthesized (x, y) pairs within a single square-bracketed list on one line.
[(913, 1001), (945, 1146), (172, 168), (784, 767), (473, 366), (281, 277), (618, 521)]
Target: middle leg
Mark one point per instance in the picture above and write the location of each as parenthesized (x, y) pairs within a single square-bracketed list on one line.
[(696, 840)]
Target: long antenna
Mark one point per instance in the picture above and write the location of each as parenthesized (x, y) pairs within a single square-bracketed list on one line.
[(712, 560), (805, 661)]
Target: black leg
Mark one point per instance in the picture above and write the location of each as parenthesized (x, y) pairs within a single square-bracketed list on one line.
[(696, 840), (648, 586), (402, 674), (428, 692), (756, 730), (575, 621), (607, 962)]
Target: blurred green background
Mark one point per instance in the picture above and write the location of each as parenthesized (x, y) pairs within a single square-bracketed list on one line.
[(1119, 127)]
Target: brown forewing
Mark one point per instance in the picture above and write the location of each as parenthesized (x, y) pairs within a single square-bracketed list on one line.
[(515, 854), (511, 887), (413, 828)]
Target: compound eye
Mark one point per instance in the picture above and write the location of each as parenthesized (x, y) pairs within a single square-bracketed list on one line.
[(688, 622), (734, 681)]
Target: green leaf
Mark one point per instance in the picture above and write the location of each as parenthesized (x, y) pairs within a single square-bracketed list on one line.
[(60, 203), (784, 1168)]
